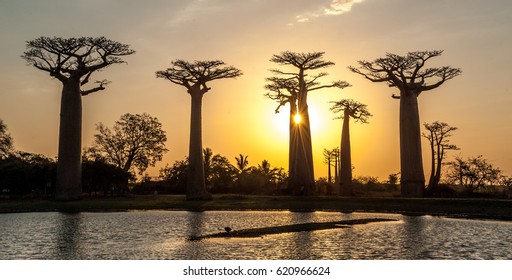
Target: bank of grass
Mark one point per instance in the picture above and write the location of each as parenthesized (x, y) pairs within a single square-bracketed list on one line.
[(470, 208)]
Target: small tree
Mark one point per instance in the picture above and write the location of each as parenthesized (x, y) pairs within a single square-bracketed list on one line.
[(437, 134), (194, 76), (328, 159), (408, 75), (473, 173), (6, 146), (73, 61), (358, 112), (134, 142)]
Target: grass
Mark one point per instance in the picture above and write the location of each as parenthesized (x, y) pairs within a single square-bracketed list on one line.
[(468, 208)]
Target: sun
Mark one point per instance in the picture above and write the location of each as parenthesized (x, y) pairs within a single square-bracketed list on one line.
[(297, 118)]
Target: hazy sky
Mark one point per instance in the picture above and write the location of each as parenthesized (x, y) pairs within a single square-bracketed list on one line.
[(475, 36)]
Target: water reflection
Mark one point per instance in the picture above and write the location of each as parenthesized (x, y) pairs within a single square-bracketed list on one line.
[(164, 235), (302, 242), (195, 225)]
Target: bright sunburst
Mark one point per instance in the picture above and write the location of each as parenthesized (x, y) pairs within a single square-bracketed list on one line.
[(297, 118)]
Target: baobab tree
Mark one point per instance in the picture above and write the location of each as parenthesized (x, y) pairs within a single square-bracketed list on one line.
[(437, 134), (73, 61), (292, 87), (351, 110), (407, 73), (328, 158), (194, 76), (331, 158)]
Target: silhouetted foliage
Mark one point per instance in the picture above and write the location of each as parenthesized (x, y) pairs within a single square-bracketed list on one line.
[(292, 87), (134, 142), (103, 177), (474, 173), (221, 176), (194, 76), (408, 75), (174, 177), (437, 134), (6, 146), (242, 163), (73, 61), (23, 174)]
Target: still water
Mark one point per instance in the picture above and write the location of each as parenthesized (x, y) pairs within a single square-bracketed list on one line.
[(163, 235)]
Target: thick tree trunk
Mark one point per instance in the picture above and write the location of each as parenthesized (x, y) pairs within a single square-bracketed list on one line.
[(345, 158), (69, 169), (305, 173), (292, 150), (196, 185), (411, 164)]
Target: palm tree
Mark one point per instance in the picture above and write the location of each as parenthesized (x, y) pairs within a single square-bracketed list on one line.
[(194, 76), (242, 163)]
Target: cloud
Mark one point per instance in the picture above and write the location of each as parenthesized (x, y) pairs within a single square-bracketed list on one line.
[(336, 7)]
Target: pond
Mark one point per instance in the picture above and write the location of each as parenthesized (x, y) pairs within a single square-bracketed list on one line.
[(165, 234)]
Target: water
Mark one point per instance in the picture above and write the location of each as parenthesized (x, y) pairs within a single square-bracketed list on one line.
[(163, 235)]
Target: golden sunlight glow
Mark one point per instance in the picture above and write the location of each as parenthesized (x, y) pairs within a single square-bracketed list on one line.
[(297, 118)]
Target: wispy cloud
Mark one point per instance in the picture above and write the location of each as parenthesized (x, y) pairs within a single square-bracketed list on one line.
[(336, 7)]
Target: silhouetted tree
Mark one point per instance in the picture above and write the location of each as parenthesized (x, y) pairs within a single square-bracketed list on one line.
[(242, 163), (293, 88), (473, 173), (328, 159), (407, 73), (136, 141), (194, 76), (99, 175), (222, 174), (176, 176), (207, 163), (23, 173), (351, 110), (285, 91), (336, 158), (73, 61), (437, 135), (6, 146)]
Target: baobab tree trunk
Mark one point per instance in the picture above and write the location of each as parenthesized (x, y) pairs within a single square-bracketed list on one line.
[(196, 185), (69, 168), (345, 158), (305, 172), (411, 164), (292, 150)]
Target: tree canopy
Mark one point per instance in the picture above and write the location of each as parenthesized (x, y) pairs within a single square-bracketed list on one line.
[(197, 73), (407, 73), (355, 110), (6, 146), (135, 141), (75, 57)]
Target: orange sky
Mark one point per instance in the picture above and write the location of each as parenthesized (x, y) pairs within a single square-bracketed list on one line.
[(237, 118)]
